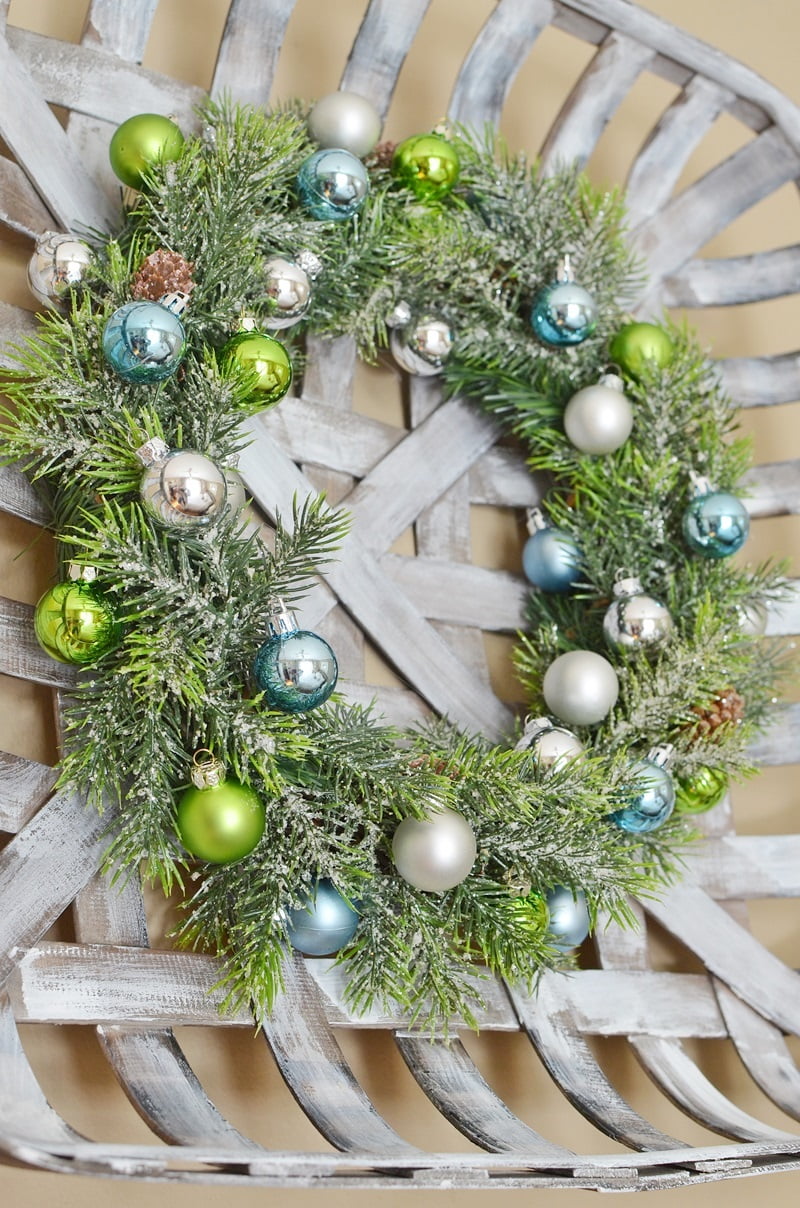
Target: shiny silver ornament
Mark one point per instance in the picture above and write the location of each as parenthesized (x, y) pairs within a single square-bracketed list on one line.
[(550, 745), (345, 119), (599, 419), (180, 488), (58, 264), (422, 345), (580, 687), (635, 621), (288, 293), (436, 852)]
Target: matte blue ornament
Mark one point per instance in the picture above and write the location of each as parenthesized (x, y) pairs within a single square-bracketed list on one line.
[(569, 917), (332, 184), (144, 342), (324, 923), (564, 313), (715, 524), (295, 668), (652, 795), (550, 558)]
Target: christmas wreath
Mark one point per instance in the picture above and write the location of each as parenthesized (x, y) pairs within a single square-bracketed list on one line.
[(205, 719)]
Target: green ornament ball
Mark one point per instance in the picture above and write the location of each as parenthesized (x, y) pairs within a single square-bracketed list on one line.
[(700, 792), (268, 361), (221, 822), (140, 143), (640, 347), (532, 913), (75, 624), (427, 164)]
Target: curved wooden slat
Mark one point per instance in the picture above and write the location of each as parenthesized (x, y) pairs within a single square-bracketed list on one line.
[(494, 59), (763, 1051), (24, 786), (19, 498), (21, 209), (15, 325), (380, 48), (773, 489), (20, 653), (121, 26), (738, 279), (761, 381), (248, 53), (25, 1114), (746, 866)]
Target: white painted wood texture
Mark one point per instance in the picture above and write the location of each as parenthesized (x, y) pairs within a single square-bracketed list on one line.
[(427, 615)]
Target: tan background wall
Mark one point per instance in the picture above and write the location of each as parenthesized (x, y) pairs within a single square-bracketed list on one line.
[(236, 1070)]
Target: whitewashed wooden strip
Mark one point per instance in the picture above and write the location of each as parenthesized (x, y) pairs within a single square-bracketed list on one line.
[(380, 47), (747, 866), (459, 593), (19, 498), (494, 60), (502, 479), (314, 1068), (450, 1079), (329, 371), (783, 617), (20, 653), (100, 84), (778, 744), (25, 1114), (763, 1050), (738, 279), (668, 239), (592, 103), (397, 706), (573, 1067), (761, 381), (120, 26), (21, 209), (248, 53), (42, 869), (16, 325), (24, 786), (42, 149), (313, 432), (773, 489)]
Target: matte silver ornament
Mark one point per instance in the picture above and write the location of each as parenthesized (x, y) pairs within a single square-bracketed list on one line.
[(423, 345), (599, 419), (635, 621), (550, 745), (288, 293), (580, 687), (345, 119), (436, 852), (181, 488), (58, 264)]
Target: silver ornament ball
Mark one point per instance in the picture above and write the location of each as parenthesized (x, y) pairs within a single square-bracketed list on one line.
[(181, 488), (599, 418), (635, 621), (580, 687), (345, 119), (436, 852), (551, 746), (423, 345), (59, 263), (288, 293)]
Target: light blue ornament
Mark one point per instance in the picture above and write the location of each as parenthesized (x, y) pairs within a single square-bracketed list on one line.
[(564, 313), (324, 923), (715, 524), (551, 559), (295, 668), (332, 184), (652, 797), (569, 917), (144, 342)]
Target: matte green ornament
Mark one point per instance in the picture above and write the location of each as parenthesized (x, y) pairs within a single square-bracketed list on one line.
[(142, 142), (700, 792), (268, 360), (641, 347), (219, 820), (427, 164), (532, 913), (74, 623)]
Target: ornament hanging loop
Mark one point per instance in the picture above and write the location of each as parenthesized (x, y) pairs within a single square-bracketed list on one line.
[(207, 771)]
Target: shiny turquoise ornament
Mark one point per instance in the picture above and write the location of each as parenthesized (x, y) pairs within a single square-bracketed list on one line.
[(144, 342), (295, 668), (428, 164), (715, 523), (332, 184), (324, 923), (564, 313), (551, 559), (141, 143), (652, 794)]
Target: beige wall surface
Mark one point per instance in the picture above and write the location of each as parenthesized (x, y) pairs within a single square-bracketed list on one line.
[(235, 1068)]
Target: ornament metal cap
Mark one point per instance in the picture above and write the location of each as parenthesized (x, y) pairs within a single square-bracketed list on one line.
[(207, 771), (534, 726), (661, 755), (153, 450), (282, 621), (78, 571), (535, 520), (700, 484), (627, 585), (177, 301), (612, 381), (399, 316), (566, 272), (310, 264)]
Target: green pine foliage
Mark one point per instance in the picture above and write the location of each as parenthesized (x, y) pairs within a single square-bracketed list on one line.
[(195, 607)]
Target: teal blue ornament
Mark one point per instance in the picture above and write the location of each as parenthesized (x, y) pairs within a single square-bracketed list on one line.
[(144, 342), (715, 523), (570, 922), (332, 184), (564, 313), (324, 922), (295, 668), (551, 559), (652, 798)]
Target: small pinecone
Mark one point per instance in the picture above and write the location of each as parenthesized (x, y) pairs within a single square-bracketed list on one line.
[(162, 273), (727, 707), (382, 156)]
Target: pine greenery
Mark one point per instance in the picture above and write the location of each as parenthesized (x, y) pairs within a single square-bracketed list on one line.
[(194, 608)]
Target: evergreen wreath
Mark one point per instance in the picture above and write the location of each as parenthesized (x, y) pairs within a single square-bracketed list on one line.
[(177, 613)]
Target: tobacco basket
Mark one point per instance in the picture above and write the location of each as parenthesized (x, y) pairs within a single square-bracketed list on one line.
[(425, 615)]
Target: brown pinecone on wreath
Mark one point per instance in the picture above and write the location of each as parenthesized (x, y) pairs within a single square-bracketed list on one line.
[(727, 707), (162, 272)]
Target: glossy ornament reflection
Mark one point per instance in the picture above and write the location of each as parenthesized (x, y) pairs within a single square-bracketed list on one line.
[(422, 345), (295, 668), (287, 290), (715, 523), (652, 794), (181, 488), (635, 620), (332, 185), (564, 313), (550, 745), (268, 363), (74, 622), (427, 164), (58, 265), (144, 342)]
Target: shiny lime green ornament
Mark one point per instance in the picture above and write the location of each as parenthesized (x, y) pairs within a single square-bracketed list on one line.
[(218, 820), (700, 792), (74, 622), (532, 913), (640, 348), (267, 360), (142, 142), (427, 164)]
